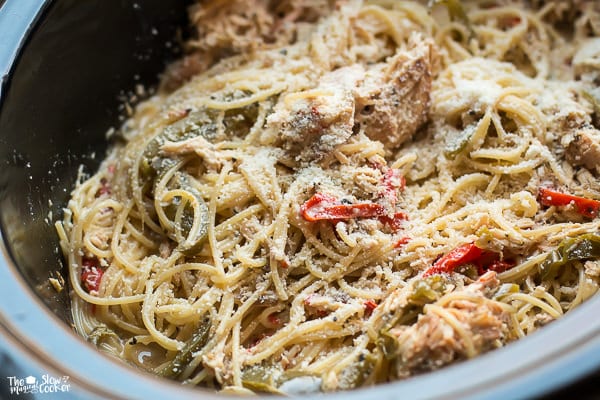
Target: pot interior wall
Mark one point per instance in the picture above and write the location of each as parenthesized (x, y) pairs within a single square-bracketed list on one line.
[(63, 93)]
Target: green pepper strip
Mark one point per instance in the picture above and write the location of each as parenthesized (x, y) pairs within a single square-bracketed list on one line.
[(579, 248), (261, 378), (184, 219), (186, 355)]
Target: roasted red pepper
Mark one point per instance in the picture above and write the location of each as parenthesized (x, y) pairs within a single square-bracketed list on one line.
[(91, 274), (392, 181), (274, 319), (498, 266), (257, 341), (468, 253), (461, 255), (586, 207), (325, 207), (104, 188), (401, 242), (370, 305), (396, 222)]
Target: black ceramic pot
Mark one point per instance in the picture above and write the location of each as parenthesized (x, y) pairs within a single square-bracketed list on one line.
[(66, 66)]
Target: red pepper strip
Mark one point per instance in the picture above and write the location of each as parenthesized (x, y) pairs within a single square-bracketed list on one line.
[(316, 203), (396, 222), (274, 319), (370, 305), (392, 181), (484, 260), (104, 188), (512, 21), (586, 207), (499, 266), (91, 275), (324, 207), (459, 256), (257, 341), (490, 261), (401, 242), (349, 211)]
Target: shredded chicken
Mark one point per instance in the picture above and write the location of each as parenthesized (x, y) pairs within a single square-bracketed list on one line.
[(584, 148), (393, 101), (570, 123), (224, 28), (433, 342), (390, 102), (199, 145), (592, 268), (312, 123)]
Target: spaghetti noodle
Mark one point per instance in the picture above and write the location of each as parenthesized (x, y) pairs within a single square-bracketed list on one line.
[(386, 189)]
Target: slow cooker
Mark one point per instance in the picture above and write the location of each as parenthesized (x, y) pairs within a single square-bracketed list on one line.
[(67, 67)]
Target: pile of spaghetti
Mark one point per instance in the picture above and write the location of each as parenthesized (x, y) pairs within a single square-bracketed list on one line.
[(346, 193)]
